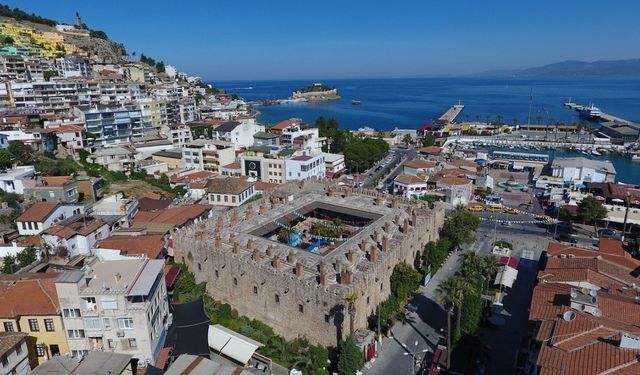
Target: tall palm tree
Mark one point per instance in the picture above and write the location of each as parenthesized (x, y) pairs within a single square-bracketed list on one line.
[(515, 121), (351, 299), (477, 118), (499, 119), (488, 266), (466, 117), (450, 297), (488, 117)]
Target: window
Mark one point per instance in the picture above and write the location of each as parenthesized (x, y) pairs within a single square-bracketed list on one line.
[(327, 318), (5, 361), (8, 326), (106, 322), (233, 199), (75, 333), (300, 308), (255, 289), (19, 349), (71, 313), (226, 199), (40, 350), (48, 325), (24, 225), (199, 267), (92, 324), (125, 323), (217, 274), (277, 298), (133, 344), (109, 304), (110, 344), (235, 281), (33, 325), (54, 349)]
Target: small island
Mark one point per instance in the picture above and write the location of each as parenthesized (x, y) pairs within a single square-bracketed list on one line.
[(316, 92)]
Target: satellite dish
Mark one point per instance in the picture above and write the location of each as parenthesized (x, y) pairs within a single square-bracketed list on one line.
[(593, 293), (569, 316)]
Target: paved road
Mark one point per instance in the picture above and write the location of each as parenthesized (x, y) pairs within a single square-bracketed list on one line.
[(426, 327)]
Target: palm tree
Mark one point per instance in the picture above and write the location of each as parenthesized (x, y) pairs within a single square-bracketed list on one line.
[(499, 119), (351, 299), (407, 139), (488, 117), (488, 266), (515, 121), (303, 360), (450, 297), (477, 118), (466, 118)]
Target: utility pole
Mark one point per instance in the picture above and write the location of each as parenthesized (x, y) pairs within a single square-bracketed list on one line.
[(626, 215), (555, 231)]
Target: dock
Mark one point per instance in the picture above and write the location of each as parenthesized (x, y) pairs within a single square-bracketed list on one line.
[(451, 113), (604, 117)]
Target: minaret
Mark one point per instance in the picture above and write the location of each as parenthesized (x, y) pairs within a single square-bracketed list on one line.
[(78, 21)]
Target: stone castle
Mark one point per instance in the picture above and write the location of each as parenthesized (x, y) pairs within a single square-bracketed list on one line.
[(300, 292)]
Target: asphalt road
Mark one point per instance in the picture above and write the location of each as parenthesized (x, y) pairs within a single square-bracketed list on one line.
[(398, 155)]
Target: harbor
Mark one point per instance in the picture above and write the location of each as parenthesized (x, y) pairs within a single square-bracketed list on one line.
[(592, 112)]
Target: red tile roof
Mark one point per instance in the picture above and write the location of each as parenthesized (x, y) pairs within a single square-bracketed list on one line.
[(263, 185), (408, 179), (150, 245), (285, 124), (38, 212), (177, 216), (453, 181), (420, 164), (191, 177), (81, 225), (430, 150), (29, 297), (609, 250)]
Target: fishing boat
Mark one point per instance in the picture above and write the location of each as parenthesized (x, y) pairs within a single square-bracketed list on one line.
[(596, 153), (356, 102), (635, 158)]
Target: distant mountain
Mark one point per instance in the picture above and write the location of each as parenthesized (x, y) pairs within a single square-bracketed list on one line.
[(572, 68)]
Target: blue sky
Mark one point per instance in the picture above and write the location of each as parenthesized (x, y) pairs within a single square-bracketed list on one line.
[(283, 39)]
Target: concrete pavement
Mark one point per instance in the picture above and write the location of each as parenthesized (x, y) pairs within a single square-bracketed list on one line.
[(427, 327)]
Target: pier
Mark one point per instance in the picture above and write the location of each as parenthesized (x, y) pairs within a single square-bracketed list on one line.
[(602, 116), (451, 113)]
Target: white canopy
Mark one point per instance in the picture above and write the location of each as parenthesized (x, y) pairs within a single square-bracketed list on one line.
[(232, 344), (506, 276)]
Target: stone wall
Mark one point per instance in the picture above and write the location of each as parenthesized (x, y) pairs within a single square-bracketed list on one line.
[(292, 296)]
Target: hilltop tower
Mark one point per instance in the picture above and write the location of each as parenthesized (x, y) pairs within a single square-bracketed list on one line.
[(78, 21)]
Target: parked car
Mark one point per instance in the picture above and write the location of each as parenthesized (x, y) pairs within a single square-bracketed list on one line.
[(411, 307), (608, 233)]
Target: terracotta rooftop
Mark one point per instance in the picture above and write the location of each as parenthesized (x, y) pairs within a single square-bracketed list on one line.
[(263, 185), (57, 181), (169, 217), (459, 172), (63, 129), (608, 249), (420, 164), (409, 179), (228, 185), (285, 124), (150, 245), (29, 297), (464, 163), (79, 225), (430, 150), (234, 165), (38, 212), (195, 176), (453, 181)]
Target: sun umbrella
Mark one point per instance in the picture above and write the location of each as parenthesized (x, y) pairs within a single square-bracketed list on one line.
[(618, 200), (599, 198)]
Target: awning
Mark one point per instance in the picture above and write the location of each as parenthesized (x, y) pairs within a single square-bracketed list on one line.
[(170, 275), (232, 344), (506, 276)]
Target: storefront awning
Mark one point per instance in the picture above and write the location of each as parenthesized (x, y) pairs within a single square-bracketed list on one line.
[(506, 276), (232, 344)]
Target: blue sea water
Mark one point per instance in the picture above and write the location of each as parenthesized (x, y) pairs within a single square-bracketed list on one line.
[(410, 103)]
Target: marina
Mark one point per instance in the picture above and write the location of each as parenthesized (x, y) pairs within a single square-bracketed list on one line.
[(592, 112)]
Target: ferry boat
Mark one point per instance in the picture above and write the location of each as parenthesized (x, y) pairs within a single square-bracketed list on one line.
[(590, 111)]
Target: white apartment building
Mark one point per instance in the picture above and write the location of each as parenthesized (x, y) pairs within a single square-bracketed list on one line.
[(304, 167), (16, 179), (111, 125), (42, 215), (577, 171), (72, 66), (171, 71), (207, 155), (116, 304), (76, 235), (409, 186), (179, 135), (334, 164), (457, 190), (229, 191), (240, 133), (186, 111)]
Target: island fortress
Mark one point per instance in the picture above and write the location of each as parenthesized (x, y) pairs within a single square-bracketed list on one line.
[(299, 287), (316, 92)]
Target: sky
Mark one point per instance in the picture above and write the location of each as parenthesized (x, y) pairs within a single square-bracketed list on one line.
[(299, 39)]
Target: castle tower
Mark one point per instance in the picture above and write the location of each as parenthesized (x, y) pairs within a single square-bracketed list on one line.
[(78, 21)]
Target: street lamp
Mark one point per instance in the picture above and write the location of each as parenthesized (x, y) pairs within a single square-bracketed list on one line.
[(413, 355), (626, 215)]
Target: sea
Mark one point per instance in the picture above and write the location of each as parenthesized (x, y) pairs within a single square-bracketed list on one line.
[(409, 103)]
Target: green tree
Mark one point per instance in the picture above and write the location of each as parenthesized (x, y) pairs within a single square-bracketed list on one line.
[(428, 140), (27, 256), (350, 357), (6, 158), (407, 140), (460, 227), (20, 152), (450, 296), (8, 40), (435, 253), (350, 300), (592, 210), (9, 264)]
